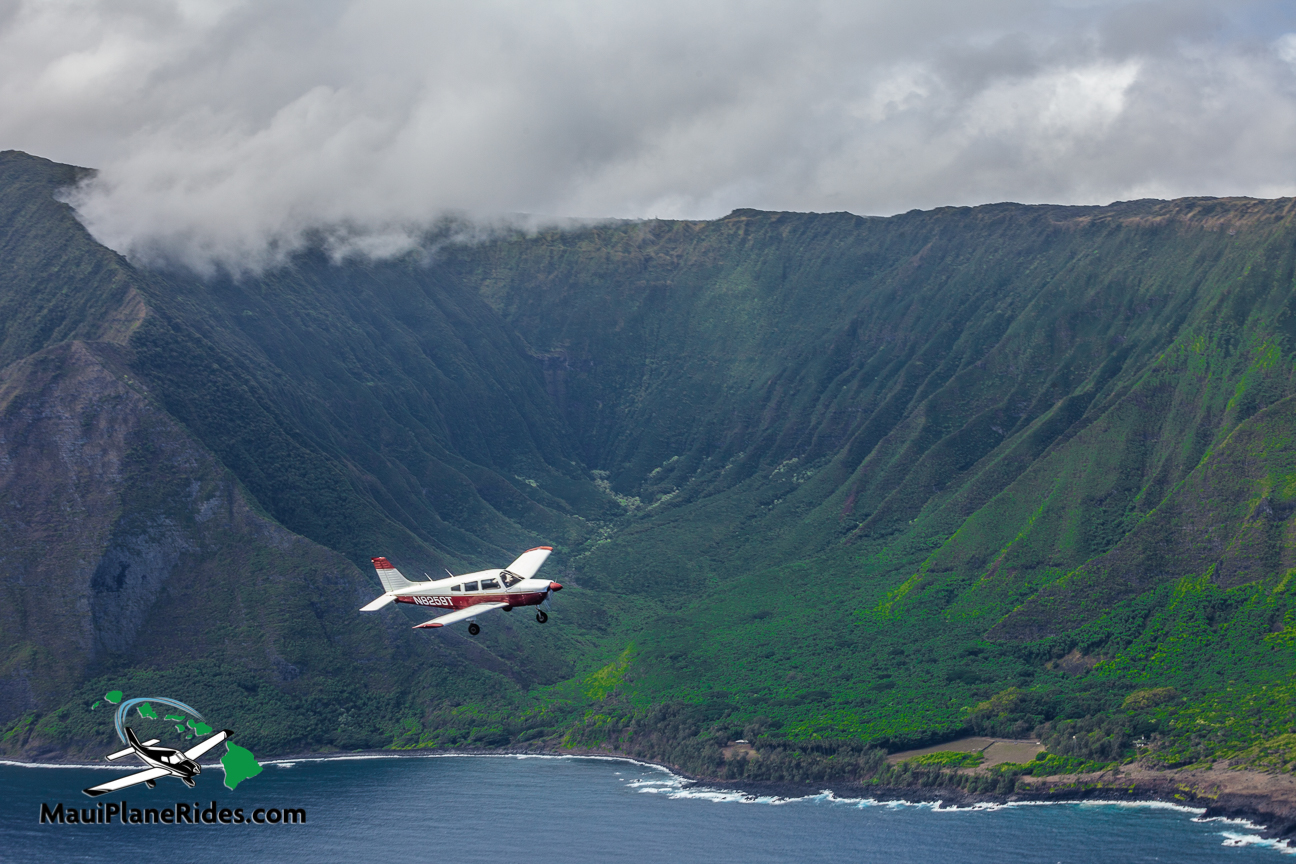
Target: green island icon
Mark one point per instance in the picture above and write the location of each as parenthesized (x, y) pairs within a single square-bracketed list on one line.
[(238, 763)]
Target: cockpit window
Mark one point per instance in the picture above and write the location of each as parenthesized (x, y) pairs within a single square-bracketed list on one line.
[(171, 758), (510, 579), (490, 585), (470, 586), (456, 588)]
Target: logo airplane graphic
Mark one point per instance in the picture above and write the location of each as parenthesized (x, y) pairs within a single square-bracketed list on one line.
[(471, 594), (162, 762)]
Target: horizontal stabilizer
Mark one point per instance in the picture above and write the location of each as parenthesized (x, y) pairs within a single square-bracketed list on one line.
[(379, 603), (460, 614), (112, 757), (529, 561)]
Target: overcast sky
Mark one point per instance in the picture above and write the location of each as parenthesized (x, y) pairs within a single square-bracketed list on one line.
[(224, 130)]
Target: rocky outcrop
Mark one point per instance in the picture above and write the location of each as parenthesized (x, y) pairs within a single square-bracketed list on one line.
[(124, 542)]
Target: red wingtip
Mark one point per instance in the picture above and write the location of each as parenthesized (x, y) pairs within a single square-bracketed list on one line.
[(554, 586), (428, 624), (381, 563), (538, 548)]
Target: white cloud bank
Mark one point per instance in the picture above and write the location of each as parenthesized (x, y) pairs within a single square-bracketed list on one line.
[(225, 129)]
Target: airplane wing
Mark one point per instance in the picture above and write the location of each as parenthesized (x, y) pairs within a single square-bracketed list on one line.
[(112, 757), (375, 605), (460, 614), (529, 561), (128, 780), (207, 744)]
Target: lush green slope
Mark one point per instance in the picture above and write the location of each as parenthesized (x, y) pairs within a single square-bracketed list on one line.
[(989, 428), (814, 476), (173, 488), (913, 367)]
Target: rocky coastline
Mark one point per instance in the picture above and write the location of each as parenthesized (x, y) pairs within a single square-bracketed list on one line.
[(1265, 801)]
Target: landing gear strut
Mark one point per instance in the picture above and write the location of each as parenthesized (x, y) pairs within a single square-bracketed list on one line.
[(473, 629), (541, 616)]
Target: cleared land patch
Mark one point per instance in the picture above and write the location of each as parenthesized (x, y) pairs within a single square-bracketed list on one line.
[(995, 750)]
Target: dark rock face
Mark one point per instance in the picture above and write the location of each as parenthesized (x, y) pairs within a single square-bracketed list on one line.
[(107, 498), (127, 581), (66, 426), (113, 522)]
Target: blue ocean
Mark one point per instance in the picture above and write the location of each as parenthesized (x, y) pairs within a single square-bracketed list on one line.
[(539, 810)]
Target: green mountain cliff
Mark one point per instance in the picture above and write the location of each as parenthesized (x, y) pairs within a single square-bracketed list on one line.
[(809, 478)]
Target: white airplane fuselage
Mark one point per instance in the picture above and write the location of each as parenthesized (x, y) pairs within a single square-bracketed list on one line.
[(458, 596), (440, 594)]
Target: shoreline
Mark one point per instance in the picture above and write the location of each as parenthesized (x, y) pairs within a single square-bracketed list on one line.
[(1260, 802)]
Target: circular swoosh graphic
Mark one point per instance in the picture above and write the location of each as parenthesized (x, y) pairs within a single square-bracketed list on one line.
[(124, 708)]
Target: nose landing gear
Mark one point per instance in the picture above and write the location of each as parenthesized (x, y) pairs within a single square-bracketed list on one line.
[(473, 629), (541, 616)]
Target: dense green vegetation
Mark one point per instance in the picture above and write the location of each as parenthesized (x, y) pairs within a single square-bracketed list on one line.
[(836, 485), (949, 759)]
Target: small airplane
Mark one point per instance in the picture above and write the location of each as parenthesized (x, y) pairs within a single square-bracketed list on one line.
[(471, 594), (162, 762)]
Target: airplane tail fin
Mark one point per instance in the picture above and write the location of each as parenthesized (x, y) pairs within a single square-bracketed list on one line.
[(391, 578), (132, 739)]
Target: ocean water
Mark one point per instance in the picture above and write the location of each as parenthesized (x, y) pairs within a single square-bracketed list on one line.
[(540, 810)]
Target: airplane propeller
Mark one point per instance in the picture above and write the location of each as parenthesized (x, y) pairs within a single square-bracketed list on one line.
[(543, 615)]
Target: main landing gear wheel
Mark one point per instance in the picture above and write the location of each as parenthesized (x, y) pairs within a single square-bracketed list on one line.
[(473, 629), (541, 616)]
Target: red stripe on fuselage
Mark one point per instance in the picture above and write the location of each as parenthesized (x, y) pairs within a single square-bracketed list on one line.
[(462, 601)]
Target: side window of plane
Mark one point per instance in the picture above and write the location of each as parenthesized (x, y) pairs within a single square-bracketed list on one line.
[(510, 579), (490, 585), (456, 588), (470, 586)]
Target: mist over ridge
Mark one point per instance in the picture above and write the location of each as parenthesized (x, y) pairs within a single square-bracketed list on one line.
[(227, 132)]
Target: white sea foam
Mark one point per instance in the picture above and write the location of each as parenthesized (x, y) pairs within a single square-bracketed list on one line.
[(1232, 838), (1150, 805), (676, 787), (1227, 820), (54, 765)]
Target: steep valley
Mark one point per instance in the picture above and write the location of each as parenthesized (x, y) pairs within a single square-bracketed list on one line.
[(826, 482)]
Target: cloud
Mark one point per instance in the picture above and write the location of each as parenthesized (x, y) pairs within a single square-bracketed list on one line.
[(227, 131)]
